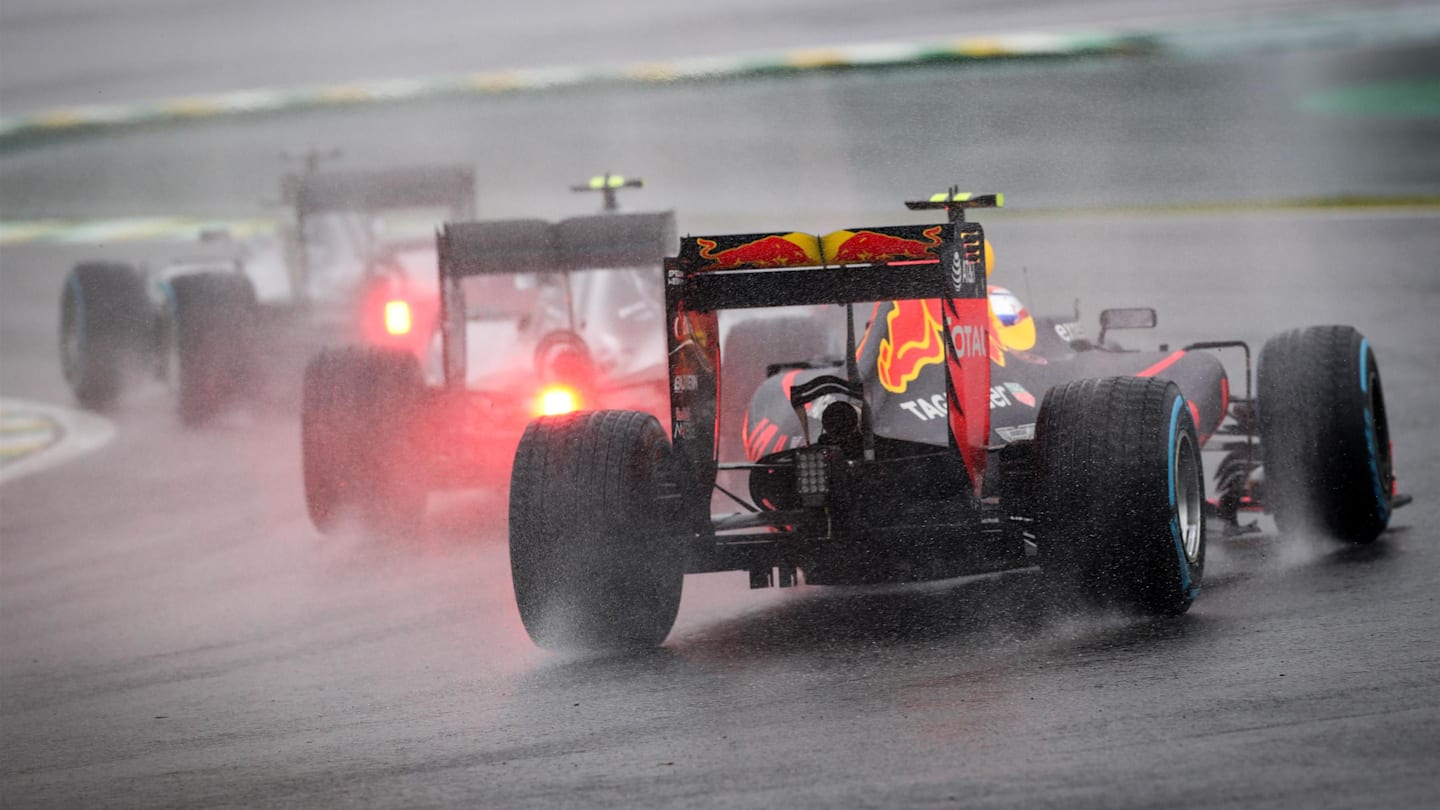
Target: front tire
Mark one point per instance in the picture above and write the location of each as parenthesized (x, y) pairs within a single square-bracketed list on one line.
[(594, 557), (1324, 433), (359, 407), (1122, 494)]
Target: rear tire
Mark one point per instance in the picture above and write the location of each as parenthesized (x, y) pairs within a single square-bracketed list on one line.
[(595, 559), (105, 319), (1324, 433), (212, 329), (1122, 494), (359, 408)]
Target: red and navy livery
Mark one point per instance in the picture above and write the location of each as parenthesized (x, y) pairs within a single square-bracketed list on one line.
[(949, 438)]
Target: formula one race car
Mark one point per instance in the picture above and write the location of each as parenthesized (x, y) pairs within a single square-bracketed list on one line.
[(193, 321), (535, 318), (951, 438)]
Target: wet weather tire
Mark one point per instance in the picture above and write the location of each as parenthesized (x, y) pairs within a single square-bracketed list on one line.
[(212, 331), (1324, 434), (359, 407), (595, 560), (1121, 494), (105, 320), (751, 346)]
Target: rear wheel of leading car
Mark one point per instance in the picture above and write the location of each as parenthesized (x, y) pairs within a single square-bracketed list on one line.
[(1324, 434), (751, 346), (105, 318), (358, 411), (1122, 494), (595, 560), (211, 327)]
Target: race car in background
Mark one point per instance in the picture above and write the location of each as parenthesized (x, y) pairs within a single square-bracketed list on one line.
[(363, 248), (346, 265), (535, 317), (952, 437)]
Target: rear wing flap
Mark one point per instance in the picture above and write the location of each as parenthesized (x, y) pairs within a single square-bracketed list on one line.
[(736, 271), (613, 240), (386, 189), (535, 246), (810, 286)]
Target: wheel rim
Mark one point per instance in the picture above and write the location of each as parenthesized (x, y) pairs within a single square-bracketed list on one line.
[(1188, 496), (70, 341), (1378, 430)]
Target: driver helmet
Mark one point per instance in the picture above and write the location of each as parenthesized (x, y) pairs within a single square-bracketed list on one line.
[(1010, 321)]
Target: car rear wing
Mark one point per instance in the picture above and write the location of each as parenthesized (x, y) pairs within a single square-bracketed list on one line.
[(712, 273), (509, 247), (314, 192), (450, 187), (598, 242), (738, 271)]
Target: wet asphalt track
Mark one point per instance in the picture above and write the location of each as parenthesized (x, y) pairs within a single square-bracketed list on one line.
[(173, 632)]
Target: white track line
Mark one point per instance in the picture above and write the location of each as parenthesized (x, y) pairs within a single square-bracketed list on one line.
[(35, 436)]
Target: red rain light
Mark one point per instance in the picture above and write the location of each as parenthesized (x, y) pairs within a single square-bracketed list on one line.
[(558, 399), (397, 317)]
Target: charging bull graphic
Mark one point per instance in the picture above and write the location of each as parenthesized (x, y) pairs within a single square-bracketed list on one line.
[(788, 250), (910, 341), (870, 246)]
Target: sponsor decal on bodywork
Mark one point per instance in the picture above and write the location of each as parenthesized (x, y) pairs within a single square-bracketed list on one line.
[(912, 341), (1021, 395), (1016, 433), (771, 250), (1070, 331), (926, 409), (868, 246)]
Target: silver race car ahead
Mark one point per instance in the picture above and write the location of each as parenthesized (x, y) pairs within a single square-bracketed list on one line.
[(344, 266)]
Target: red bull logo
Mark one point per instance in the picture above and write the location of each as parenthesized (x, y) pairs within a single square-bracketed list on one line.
[(868, 247), (912, 342), (789, 250)]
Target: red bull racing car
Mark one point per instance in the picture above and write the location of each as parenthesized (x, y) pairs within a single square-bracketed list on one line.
[(534, 318), (956, 435)]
